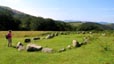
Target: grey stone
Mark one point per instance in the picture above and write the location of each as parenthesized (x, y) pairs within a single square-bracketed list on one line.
[(61, 50), (20, 46), (27, 40), (90, 32), (75, 43), (68, 47), (83, 32), (52, 35), (47, 50), (103, 34), (61, 33), (56, 34), (36, 38), (33, 47), (86, 40), (48, 36)]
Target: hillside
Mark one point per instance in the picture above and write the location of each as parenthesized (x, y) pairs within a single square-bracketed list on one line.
[(93, 26), (16, 14), (4, 10), (111, 25), (75, 23), (22, 21), (85, 26)]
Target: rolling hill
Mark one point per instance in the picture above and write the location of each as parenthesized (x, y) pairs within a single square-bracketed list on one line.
[(92, 26), (28, 22)]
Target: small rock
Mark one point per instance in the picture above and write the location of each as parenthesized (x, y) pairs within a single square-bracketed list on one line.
[(48, 36), (83, 32), (69, 47), (47, 50), (52, 35), (86, 40), (90, 32), (61, 50), (56, 34), (36, 38), (103, 34), (61, 33), (27, 40), (75, 43), (20, 46)]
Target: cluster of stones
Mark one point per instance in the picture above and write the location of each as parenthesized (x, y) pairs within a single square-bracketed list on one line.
[(49, 36), (33, 47), (75, 44), (28, 40)]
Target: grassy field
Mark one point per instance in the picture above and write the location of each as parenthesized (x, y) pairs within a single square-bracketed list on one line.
[(99, 50)]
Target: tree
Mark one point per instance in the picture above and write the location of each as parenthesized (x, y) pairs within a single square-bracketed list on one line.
[(90, 26), (7, 22)]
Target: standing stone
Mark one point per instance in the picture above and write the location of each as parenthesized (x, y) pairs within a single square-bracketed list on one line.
[(36, 38), (68, 47), (90, 32), (61, 33), (20, 46), (75, 43), (27, 40), (61, 50), (78, 32), (86, 40), (33, 47), (83, 32), (48, 37), (52, 35), (103, 34), (56, 34)]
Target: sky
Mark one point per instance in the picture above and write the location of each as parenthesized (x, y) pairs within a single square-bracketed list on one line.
[(79, 10)]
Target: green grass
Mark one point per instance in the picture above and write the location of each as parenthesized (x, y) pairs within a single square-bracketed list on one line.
[(92, 53)]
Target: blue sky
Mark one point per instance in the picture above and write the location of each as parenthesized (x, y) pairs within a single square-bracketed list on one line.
[(84, 10)]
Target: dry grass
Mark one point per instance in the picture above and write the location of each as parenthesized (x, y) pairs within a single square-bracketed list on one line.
[(23, 33)]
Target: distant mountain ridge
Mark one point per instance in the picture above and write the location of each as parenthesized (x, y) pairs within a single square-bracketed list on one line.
[(111, 25), (88, 25), (103, 22), (87, 21)]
